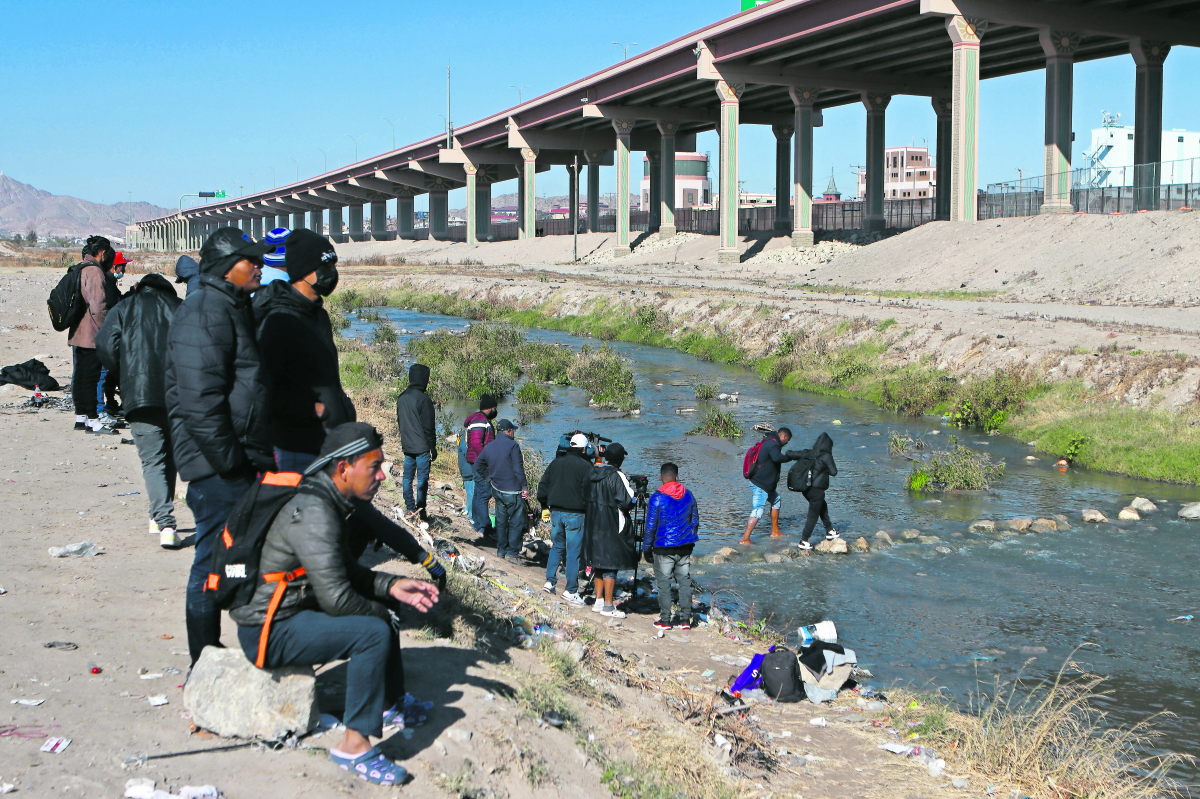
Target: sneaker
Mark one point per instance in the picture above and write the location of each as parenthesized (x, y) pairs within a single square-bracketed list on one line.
[(102, 430), (831, 535), (111, 421), (597, 606), (153, 527), (612, 612), (168, 539), (685, 625), (805, 546), (574, 599), (81, 423), (662, 625), (548, 588)]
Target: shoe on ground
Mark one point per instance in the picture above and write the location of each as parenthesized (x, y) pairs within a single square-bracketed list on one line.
[(111, 421), (548, 588), (102, 430), (574, 599), (686, 624), (612, 612), (81, 424), (154, 527), (168, 538), (831, 535), (597, 606), (662, 625), (805, 546)]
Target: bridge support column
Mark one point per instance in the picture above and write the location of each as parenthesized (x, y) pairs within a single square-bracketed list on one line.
[(527, 190), (256, 228), (943, 107), (248, 226), (356, 223), (1147, 121), (472, 213), (730, 95), (804, 100), (283, 221), (483, 210), (1059, 47), (336, 232), (572, 195), (654, 165), (379, 220), (965, 34), (874, 219), (404, 217), (623, 127), (666, 212), (439, 214), (297, 220), (316, 222), (783, 178), (593, 196)]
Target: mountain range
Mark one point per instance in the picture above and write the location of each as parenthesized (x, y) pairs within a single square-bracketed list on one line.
[(24, 208)]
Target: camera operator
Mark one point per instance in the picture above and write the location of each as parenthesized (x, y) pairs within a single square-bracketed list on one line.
[(610, 542), (672, 527), (563, 493)]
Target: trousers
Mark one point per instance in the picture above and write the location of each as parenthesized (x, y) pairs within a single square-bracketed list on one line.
[(211, 500), (85, 376), (152, 435), (566, 543), (416, 466), (678, 566), (816, 507), (510, 523)]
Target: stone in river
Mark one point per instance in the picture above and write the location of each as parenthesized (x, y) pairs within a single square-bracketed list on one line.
[(944, 550), (1043, 526), (1129, 514), (983, 526), (1190, 511), (1093, 515), (837, 546), (862, 545), (883, 540), (1142, 504), (1020, 523), (928, 539), (909, 535), (1063, 522)]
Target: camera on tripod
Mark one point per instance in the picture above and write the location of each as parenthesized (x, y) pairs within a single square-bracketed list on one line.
[(640, 484), (595, 447)]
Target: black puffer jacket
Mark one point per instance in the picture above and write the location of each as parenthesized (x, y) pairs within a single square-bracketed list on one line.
[(295, 340), (566, 482), (823, 465), (218, 397), (609, 541), (311, 531), (133, 342), (771, 458), (415, 414)]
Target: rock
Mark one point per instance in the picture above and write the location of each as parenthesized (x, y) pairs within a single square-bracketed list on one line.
[(460, 734), (1043, 526), (862, 545), (1142, 504), (835, 547), (1062, 522), (228, 696), (1093, 515), (1020, 523), (725, 554), (983, 526), (1033, 650), (958, 782), (717, 560), (883, 540), (928, 539), (572, 649), (1190, 511), (1129, 514), (945, 550), (909, 535), (773, 557)]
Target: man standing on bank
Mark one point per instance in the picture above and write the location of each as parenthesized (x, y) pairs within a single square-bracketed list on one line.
[(563, 492), (672, 530), (416, 418)]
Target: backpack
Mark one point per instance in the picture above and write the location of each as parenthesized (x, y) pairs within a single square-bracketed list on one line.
[(65, 303), (781, 675), (799, 477), (750, 462)]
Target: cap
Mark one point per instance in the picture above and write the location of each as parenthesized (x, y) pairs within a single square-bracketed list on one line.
[(579, 441), (119, 260), (505, 424), (275, 238), (305, 253), (346, 441), (226, 247), (614, 453)]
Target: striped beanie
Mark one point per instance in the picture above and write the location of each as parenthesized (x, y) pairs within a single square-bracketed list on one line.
[(276, 238)]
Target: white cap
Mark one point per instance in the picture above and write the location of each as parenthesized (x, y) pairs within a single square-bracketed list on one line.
[(579, 441)]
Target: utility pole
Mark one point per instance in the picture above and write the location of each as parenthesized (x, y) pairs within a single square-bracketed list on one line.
[(351, 138), (575, 210), (449, 123), (297, 163), (274, 182), (325, 155), (393, 124)]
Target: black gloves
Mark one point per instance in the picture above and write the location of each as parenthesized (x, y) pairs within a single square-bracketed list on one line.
[(436, 570), (648, 555)]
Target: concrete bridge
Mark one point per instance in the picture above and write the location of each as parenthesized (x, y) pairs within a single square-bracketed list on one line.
[(780, 65)]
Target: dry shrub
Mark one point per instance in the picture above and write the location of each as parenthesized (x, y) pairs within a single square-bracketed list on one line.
[(682, 761)]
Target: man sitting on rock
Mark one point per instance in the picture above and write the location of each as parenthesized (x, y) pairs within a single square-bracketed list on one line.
[(317, 604)]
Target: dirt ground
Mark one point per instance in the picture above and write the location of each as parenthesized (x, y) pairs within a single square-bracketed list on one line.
[(124, 611)]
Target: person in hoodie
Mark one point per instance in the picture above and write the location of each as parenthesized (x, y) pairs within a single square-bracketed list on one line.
[(764, 481), (563, 493), (478, 432), (500, 475), (609, 538), (418, 438), (823, 468), (98, 257), (672, 530), (132, 342), (188, 271)]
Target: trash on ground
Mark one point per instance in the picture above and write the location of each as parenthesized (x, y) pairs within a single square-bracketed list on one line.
[(154, 676), (129, 494), (28, 702), (84, 549), (7, 787), (821, 631), (161, 699), (1177, 618), (144, 789), (93, 668), (3, 590), (553, 718), (65, 646), (819, 721), (56, 745)]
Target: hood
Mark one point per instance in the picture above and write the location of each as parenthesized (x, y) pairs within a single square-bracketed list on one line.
[(157, 282), (673, 489), (281, 294), (186, 268), (824, 445), (418, 376), (600, 472)]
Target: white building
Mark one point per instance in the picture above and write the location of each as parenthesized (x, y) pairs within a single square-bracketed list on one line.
[(691, 181), (909, 173), (1110, 152)]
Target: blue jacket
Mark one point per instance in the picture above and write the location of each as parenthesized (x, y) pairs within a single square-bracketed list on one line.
[(501, 464), (671, 522)]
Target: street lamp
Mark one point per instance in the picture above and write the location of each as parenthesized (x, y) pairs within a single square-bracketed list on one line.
[(625, 49), (351, 138), (297, 163), (518, 88), (325, 155), (393, 124)]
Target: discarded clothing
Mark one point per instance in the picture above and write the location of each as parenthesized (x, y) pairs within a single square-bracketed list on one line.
[(32, 373)]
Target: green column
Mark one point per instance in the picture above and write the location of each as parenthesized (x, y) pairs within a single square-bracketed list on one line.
[(945, 133), (654, 200), (730, 96), (783, 177), (666, 222), (483, 208), (439, 214), (472, 200), (804, 100), (528, 191), (404, 216), (623, 127), (1147, 121), (874, 219), (965, 34), (1059, 47), (593, 197)]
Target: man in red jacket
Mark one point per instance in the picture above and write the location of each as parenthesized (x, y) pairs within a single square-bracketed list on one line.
[(672, 530), (479, 432)]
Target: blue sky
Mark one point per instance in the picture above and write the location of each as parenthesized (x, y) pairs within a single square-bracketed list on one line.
[(160, 99)]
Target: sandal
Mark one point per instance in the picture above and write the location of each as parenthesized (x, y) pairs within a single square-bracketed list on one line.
[(373, 766)]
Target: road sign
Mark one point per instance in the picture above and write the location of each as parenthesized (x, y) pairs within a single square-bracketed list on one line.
[(207, 194), (220, 194), (748, 4)]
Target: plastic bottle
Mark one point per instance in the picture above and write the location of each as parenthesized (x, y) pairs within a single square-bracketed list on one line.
[(39, 399)]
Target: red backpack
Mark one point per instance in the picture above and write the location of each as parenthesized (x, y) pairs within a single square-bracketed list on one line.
[(750, 463)]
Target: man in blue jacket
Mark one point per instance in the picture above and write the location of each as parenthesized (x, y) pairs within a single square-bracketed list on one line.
[(500, 475), (672, 527)]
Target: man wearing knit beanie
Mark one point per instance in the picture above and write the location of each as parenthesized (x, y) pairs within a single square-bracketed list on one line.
[(273, 262), (477, 433)]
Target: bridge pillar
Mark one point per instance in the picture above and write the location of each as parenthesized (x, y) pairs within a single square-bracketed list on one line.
[(572, 195), (356, 223), (654, 165), (874, 219), (379, 220), (943, 108), (730, 95), (783, 177), (256, 228), (316, 222), (404, 216), (282, 221), (472, 212), (336, 231), (623, 127), (483, 210), (1059, 47), (439, 214), (593, 201), (802, 170), (527, 194), (297, 220), (965, 34), (248, 226), (1147, 121), (666, 213)]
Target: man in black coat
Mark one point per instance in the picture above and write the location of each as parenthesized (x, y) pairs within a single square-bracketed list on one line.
[(219, 404), (764, 481), (562, 493), (133, 342), (609, 538), (418, 438)]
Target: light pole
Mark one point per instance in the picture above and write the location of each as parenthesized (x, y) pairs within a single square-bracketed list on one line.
[(351, 138), (297, 163), (393, 124), (519, 89), (325, 155), (625, 49)]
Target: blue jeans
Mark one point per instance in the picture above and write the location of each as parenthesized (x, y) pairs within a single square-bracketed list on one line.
[(469, 488), (418, 466), (211, 500), (759, 499), (288, 461), (480, 519), (374, 675), (510, 523), (566, 541)]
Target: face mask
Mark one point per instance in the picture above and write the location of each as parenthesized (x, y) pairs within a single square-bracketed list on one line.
[(327, 280)]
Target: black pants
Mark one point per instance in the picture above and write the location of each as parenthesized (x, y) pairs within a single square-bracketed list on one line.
[(816, 507), (84, 379)]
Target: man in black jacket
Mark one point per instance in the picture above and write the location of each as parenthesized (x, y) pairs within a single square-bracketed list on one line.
[(219, 404), (764, 481), (334, 608), (563, 491), (133, 343), (824, 467), (418, 439)]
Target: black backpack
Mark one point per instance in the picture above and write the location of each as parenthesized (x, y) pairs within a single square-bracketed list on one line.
[(799, 477), (65, 302), (781, 675)]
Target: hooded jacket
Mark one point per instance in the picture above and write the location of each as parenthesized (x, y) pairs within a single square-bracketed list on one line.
[(415, 414), (672, 518), (609, 541), (311, 530), (564, 485), (295, 340), (823, 465), (188, 271), (770, 458), (218, 395), (133, 342)]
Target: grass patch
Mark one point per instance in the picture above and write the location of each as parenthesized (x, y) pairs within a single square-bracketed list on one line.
[(900, 444), (533, 400), (705, 390), (717, 423), (947, 294), (606, 377), (959, 469)]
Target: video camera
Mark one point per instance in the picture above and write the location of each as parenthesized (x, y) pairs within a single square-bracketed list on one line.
[(595, 447), (641, 486)]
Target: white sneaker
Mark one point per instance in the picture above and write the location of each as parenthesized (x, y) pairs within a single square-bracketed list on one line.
[(597, 606), (612, 612), (167, 539), (153, 527), (574, 599), (805, 546), (548, 588), (832, 534)]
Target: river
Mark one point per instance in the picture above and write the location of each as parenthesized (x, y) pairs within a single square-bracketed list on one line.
[(912, 615)]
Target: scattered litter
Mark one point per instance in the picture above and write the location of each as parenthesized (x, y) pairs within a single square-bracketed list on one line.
[(129, 494), (709, 673), (156, 675), (327, 722), (56, 745), (1177, 618), (102, 485), (144, 789), (143, 758), (553, 718), (29, 702), (3, 590), (897, 749), (166, 636), (819, 721), (7, 787), (978, 656), (65, 646), (958, 782), (785, 734), (93, 668), (84, 549), (161, 699)]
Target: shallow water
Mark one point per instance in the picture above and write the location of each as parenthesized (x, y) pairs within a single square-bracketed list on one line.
[(914, 616)]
